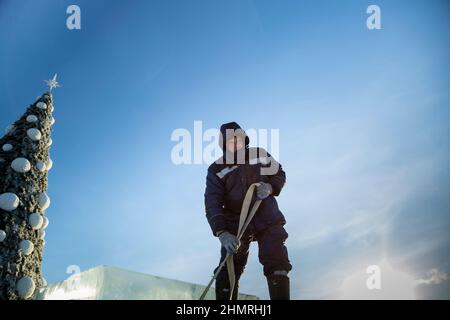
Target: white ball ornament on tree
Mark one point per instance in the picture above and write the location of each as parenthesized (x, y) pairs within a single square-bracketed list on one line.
[(49, 164), (52, 121), (32, 118), (41, 234), (26, 246), (7, 147), (2, 235), (25, 287), (43, 201), (45, 222), (36, 221), (34, 134), (9, 201), (41, 105), (40, 166), (21, 165), (50, 142)]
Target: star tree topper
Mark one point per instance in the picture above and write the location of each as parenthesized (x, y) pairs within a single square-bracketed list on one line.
[(52, 83)]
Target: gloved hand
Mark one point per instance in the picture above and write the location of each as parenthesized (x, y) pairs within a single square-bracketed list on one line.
[(263, 190), (229, 242)]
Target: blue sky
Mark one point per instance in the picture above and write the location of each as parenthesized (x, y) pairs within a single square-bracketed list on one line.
[(363, 118)]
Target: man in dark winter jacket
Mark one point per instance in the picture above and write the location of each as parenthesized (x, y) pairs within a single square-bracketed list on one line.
[(227, 182)]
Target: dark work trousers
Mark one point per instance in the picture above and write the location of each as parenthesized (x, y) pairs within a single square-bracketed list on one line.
[(272, 254)]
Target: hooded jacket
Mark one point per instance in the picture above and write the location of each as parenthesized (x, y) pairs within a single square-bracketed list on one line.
[(227, 182)]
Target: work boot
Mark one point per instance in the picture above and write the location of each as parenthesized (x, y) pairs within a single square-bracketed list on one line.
[(223, 289), (278, 287)]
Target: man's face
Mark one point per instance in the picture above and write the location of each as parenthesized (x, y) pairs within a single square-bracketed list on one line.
[(234, 144)]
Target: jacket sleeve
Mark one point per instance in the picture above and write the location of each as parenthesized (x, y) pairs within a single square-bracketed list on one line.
[(214, 202), (278, 179)]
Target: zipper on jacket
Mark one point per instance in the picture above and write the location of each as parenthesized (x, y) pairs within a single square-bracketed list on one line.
[(244, 181)]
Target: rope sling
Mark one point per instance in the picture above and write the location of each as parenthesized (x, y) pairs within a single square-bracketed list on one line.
[(244, 221)]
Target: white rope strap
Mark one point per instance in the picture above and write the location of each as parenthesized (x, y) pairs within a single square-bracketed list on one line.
[(244, 221)]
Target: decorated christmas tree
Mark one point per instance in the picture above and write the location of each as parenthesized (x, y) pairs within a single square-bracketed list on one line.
[(24, 165)]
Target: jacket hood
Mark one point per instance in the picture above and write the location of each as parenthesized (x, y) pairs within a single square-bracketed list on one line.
[(237, 130)]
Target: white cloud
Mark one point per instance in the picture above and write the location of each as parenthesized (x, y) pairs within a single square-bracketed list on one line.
[(433, 276)]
